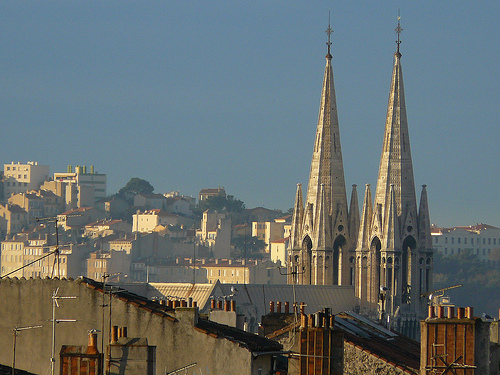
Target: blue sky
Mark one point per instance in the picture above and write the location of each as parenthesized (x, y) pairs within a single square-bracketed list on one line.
[(192, 94)]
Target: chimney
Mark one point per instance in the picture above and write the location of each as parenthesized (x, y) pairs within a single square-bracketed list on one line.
[(219, 305), (287, 307), (213, 304), (190, 302), (432, 312), (469, 312), (227, 306), (233, 306), (114, 334), (278, 307), (440, 313), (122, 332), (451, 312), (271, 307), (92, 347), (460, 313)]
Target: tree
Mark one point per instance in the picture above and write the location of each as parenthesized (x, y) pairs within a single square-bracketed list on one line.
[(248, 247), (221, 203), (133, 187)]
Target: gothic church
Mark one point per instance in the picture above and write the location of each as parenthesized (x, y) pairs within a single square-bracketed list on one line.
[(386, 253)]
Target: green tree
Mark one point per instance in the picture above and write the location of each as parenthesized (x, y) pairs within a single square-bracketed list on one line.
[(133, 187), (221, 203), (248, 247)]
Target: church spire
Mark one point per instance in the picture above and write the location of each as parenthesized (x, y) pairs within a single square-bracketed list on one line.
[(396, 163), (327, 165)]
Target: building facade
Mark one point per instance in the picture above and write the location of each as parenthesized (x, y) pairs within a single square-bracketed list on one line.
[(81, 177), (20, 178), (481, 239)]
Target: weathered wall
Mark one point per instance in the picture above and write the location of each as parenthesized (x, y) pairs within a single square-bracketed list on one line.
[(358, 361), (28, 302)]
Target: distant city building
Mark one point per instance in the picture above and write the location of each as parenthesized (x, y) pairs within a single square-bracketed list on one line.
[(150, 201), (82, 177), (13, 219), (113, 263), (33, 254), (241, 271), (148, 220), (204, 194), (19, 178), (78, 218), (269, 231), (31, 203), (481, 239), (278, 250), (215, 233)]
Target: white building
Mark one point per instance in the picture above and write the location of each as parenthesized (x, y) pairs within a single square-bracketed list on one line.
[(19, 178), (480, 238), (148, 220), (81, 177)]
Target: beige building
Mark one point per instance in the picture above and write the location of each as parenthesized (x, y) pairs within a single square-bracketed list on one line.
[(103, 228), (35, 256), (215, 233), (208, 193), (73, 195), (269, 231), (13, 219), (78, 218), (147, 221), (249, 271), (20, 178), (83, 178), (481, 239), (278, 250), (32, 203), (115, 264)]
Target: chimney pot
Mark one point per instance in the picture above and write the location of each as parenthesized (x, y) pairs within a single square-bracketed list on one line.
[(213, 304), (195, 304), (303, 321), (227, 305), (440, 312), (219, 305), (278, 307), (190, 302), (287, 307), (302, 308), (271, 307), (451, 312), (114, 334), (92, 347), (432, 312), (233, 306), (124, 330), (469, 312), (460, 313)]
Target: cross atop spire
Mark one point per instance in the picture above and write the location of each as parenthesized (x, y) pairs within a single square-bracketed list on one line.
[(398, 31), (329, 32)]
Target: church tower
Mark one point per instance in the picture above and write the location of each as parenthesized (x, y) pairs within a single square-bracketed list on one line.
[(324, 231), (393, 254)]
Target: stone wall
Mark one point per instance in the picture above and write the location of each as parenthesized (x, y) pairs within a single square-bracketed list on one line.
[(360, 362)]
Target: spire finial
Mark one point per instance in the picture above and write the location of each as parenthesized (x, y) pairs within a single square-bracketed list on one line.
[(329, 32), (398, 31)]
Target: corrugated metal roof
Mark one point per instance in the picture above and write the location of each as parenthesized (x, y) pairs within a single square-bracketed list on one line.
[(316, 297), (199, 292)]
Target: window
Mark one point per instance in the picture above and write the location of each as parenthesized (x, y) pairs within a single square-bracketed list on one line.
[(445, 251), (484, 241), (465, 240), (458, 240), (436, 239), (452, 239), (489, 241)]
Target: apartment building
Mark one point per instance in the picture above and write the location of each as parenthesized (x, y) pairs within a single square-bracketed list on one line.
[(31, 203), (148, 220), (270, 231), (215, 233), (19, 178), (241, 271), (480, 238), (13, 219), (81, 177)]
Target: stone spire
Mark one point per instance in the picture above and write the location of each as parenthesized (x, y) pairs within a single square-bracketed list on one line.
[(327, 167), (354, 215), (321, 245), (424, 221), (366, 219), (297, 218), (396, 163)]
